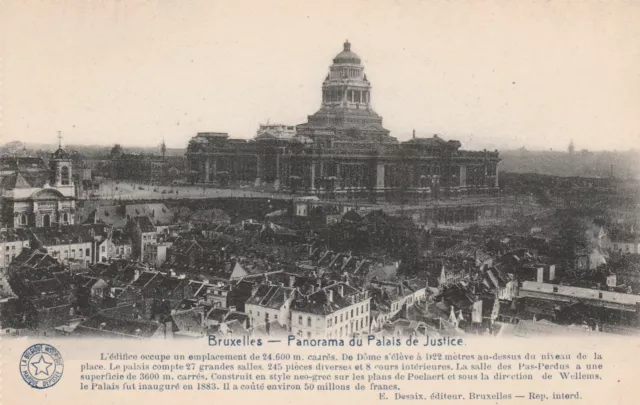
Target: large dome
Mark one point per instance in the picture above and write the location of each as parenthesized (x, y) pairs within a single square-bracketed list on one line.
[(346, 56)]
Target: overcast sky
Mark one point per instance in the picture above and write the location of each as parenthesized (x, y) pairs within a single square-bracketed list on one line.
[(501, 74)]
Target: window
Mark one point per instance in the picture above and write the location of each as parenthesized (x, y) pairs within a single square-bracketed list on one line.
[(65, 217), (352, 313), (64, 176), (88, 252), (102, 249), (340, 317), (46, 220), (7, 259), (308, 321), (23, 219), (309, 334), (73, 253), (276, 317), (300, 320)]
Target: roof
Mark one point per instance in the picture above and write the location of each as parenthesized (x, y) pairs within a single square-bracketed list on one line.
[(328, 299), (212, 216), (145, 224), (347, 56), (25, 180), (34, 259), (581, 293), (234, 328), (188, 321), (118, 215), (270, 296), (13, 235), (273, 328), (103, 325), (69, 234), (528, 328), (60, 154)]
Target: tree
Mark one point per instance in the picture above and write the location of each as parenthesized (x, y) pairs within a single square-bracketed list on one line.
[(116, 151)]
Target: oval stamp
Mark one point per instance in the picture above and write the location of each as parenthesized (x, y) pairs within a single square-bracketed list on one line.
[(41, 366)]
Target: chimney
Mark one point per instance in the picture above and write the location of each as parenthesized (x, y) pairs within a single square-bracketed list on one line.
[(341, 290), (552, 272), (330, 292), (292, 280), (540, 277), (168, 330)]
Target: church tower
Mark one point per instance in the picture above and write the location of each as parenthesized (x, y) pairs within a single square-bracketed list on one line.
[(61, 171)]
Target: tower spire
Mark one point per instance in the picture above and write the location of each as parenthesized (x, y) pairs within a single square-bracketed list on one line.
[(60, 139)]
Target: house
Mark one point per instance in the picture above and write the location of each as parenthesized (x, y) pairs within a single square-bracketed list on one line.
[(12, 241), (119, 245), (47, 301), (78, 242), (143, 234), (337, 310), (92, 291), (390, 299), (188, 323), (270, 302)]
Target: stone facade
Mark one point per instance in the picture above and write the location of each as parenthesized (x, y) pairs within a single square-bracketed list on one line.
[(344, 149), (43, 199)]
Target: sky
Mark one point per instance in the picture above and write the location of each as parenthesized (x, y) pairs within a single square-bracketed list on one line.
[(492, 74)]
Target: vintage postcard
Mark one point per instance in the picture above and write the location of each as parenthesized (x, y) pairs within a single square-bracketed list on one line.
[(319, 202)]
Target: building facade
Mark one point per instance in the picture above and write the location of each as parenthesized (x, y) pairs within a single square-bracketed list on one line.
[(343, 148), (42, 198)]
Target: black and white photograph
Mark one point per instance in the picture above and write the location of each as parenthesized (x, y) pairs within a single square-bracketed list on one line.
[(318, 174)]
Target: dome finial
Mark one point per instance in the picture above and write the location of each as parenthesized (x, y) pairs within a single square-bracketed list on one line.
[(347, 45)]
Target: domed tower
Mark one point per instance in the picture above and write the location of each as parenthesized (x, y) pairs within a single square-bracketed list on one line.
[(346, 84), (346, 114)]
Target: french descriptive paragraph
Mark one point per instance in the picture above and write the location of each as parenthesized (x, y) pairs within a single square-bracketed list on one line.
[(384, 376)]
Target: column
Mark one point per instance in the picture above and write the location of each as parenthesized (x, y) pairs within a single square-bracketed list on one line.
[(463, 176), (380, 176), (497, 184), (313, 175), (207, 164), (276, 183), (258, 182), (484, 177)]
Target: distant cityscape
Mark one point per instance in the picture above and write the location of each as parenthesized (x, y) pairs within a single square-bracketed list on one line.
[(326, 229)]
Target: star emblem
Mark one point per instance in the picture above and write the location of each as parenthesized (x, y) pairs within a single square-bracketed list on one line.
[(42, 366)]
